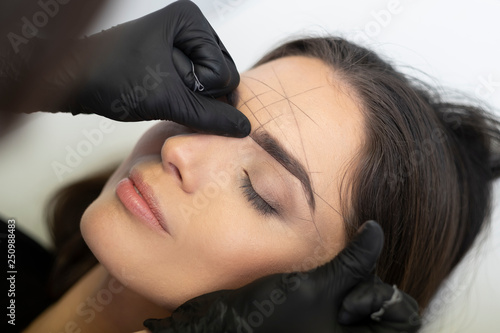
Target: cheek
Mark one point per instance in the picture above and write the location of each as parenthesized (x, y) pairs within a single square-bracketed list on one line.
[(141, 260), (250, 247), (235, 245)]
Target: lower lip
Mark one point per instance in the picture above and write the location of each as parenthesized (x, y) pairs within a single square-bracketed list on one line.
[(136, 204)]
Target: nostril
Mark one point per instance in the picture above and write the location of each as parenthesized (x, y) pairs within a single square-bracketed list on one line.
[(175, 171)]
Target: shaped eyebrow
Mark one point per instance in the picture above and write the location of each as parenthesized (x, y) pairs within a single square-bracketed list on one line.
[(287, 160), (272, 146)]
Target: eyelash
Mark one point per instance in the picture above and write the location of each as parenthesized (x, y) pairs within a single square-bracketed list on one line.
[(255, 199)]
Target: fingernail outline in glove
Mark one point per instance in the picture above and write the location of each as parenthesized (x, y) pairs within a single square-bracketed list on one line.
[(197, 84), (395, 298)]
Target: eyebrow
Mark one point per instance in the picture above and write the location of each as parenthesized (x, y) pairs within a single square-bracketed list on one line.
[(272, 146), (288, 161)]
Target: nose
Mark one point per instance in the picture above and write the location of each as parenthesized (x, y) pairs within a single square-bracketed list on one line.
[(187, 157)]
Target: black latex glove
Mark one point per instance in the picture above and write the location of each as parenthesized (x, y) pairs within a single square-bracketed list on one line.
[(167, 65), (340, 296)]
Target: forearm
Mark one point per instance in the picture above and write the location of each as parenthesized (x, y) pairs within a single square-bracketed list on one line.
[(50, 74), (26, 81), (31, 53), (13, 66)]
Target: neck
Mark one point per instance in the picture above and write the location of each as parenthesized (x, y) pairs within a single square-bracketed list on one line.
[(98, 303)]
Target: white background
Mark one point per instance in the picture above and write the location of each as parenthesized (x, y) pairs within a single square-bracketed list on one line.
[(456, 43)]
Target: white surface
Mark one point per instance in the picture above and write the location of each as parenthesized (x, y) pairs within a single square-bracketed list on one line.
[(456, 43)]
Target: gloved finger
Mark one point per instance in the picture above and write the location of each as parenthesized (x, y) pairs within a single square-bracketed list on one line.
[(186, 71), (356, 262), (202, 79), (218, 78), (374, 300), (187, 316), (197, 40), (159, 325), (208, 115)]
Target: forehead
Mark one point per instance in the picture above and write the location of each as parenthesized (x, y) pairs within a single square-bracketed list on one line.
[(297, 100)]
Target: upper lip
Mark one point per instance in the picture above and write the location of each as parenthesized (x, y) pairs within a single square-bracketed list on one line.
[(147, 194)]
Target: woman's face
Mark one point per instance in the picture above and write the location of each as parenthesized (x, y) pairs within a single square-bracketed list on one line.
[(217, 213)]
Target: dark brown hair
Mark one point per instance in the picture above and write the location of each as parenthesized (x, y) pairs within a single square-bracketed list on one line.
[(424, 173), (73, 258)]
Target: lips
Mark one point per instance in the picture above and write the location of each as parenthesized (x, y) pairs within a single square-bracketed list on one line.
[(138, 198)]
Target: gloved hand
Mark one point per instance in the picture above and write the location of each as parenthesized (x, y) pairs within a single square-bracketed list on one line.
[(168, 65), (339, 297)]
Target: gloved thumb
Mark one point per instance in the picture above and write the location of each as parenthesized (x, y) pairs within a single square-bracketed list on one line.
[(209, 115), (356, 262)]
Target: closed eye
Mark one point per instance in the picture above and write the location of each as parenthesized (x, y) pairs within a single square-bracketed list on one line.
[(261, 205)]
